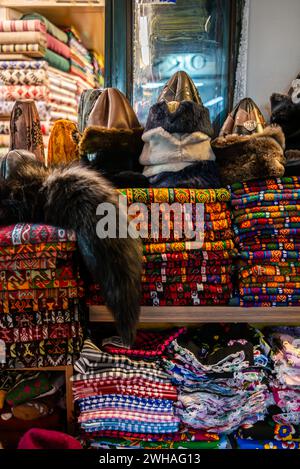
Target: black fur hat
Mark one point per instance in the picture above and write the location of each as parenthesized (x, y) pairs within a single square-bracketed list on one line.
[(189, 117)]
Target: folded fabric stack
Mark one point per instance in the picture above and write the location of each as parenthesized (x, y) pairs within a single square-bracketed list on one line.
[(281, 428), (35, 36), (40, 293), (123, 395), (81, 63), (221, 376), (179, 271), (29, 399), (267, 228)]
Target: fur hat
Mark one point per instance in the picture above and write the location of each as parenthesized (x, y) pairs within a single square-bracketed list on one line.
[(179, 108), (164, 151), (286, 113), (112, 140), (203, 175), (246, 148)]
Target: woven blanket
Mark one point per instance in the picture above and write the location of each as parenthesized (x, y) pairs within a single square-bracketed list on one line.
[(50, 27), (19, 26), (57, 46), (30, 37), (32, 50)]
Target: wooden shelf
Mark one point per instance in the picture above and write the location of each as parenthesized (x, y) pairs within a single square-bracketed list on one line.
[(87, 18), (205, 314)]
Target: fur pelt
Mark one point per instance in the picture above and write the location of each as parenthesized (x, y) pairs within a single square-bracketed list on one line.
[(286, 113), (189, 117), (242, 158), (293, 163), (97, 138), (203, 175), (68, 197)]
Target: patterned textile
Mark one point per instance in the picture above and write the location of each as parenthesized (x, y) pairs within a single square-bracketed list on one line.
[(50, 27), (148, 196), (25, 129), (42, 107), (23, 77), (25, 233), (8, 92), (32, 50), (267, 228), (63, 143), (18, 26), (30, 37)]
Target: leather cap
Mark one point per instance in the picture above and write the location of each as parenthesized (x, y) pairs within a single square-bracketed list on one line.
[(10, 162), (112, 110), (179, 88), (245, 119)]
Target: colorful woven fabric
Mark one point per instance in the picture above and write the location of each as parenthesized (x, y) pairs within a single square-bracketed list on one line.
[(63, 143), (148, 196)]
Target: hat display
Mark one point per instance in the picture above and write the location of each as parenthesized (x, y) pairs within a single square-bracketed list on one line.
[(112, 140), (87, 101), (25, 129), (63, 145), (247, 148), (177, 135), (286, 113)]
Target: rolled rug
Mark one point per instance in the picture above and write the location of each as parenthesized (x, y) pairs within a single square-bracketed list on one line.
[(25, 129), (247, 148)]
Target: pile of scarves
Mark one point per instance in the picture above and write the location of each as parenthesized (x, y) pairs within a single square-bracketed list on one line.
[(281, 428), (267, 228), (29, 399), (221, 374), (40, 293), (178, 271), (124, 397)]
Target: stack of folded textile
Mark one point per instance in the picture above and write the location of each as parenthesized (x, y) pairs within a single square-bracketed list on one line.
[(281, 428), (80, 59), (179, 271), (123, 393), (221, 375), (29, 399), (267, 228), (40, 293), (35, 36)]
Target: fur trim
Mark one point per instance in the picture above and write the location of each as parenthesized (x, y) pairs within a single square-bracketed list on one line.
[(99, 138), (286, 113), (242, 158), (188, 118), (172, 152), (68, 197), (292, 157)]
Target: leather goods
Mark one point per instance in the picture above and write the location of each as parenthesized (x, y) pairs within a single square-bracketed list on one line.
[(112, 110), (12, 160), (245, 119), (179, 88)]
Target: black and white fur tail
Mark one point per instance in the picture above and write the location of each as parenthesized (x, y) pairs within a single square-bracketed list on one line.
[(68, 198)]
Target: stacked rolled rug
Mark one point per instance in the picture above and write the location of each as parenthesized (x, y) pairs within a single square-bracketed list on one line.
[(267, 228)]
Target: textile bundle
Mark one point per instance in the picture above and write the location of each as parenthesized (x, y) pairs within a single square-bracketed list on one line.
[(280, 429), (267, 229), (40, 293), (179, 271), (29, 399), (126, 399)]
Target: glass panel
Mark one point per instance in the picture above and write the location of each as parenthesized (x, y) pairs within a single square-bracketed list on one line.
[(190, 35)]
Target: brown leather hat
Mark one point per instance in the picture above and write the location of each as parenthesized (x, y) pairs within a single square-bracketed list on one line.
[(179, 88), (245, 119), (112, 110), (10, 162), (113, 128)]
